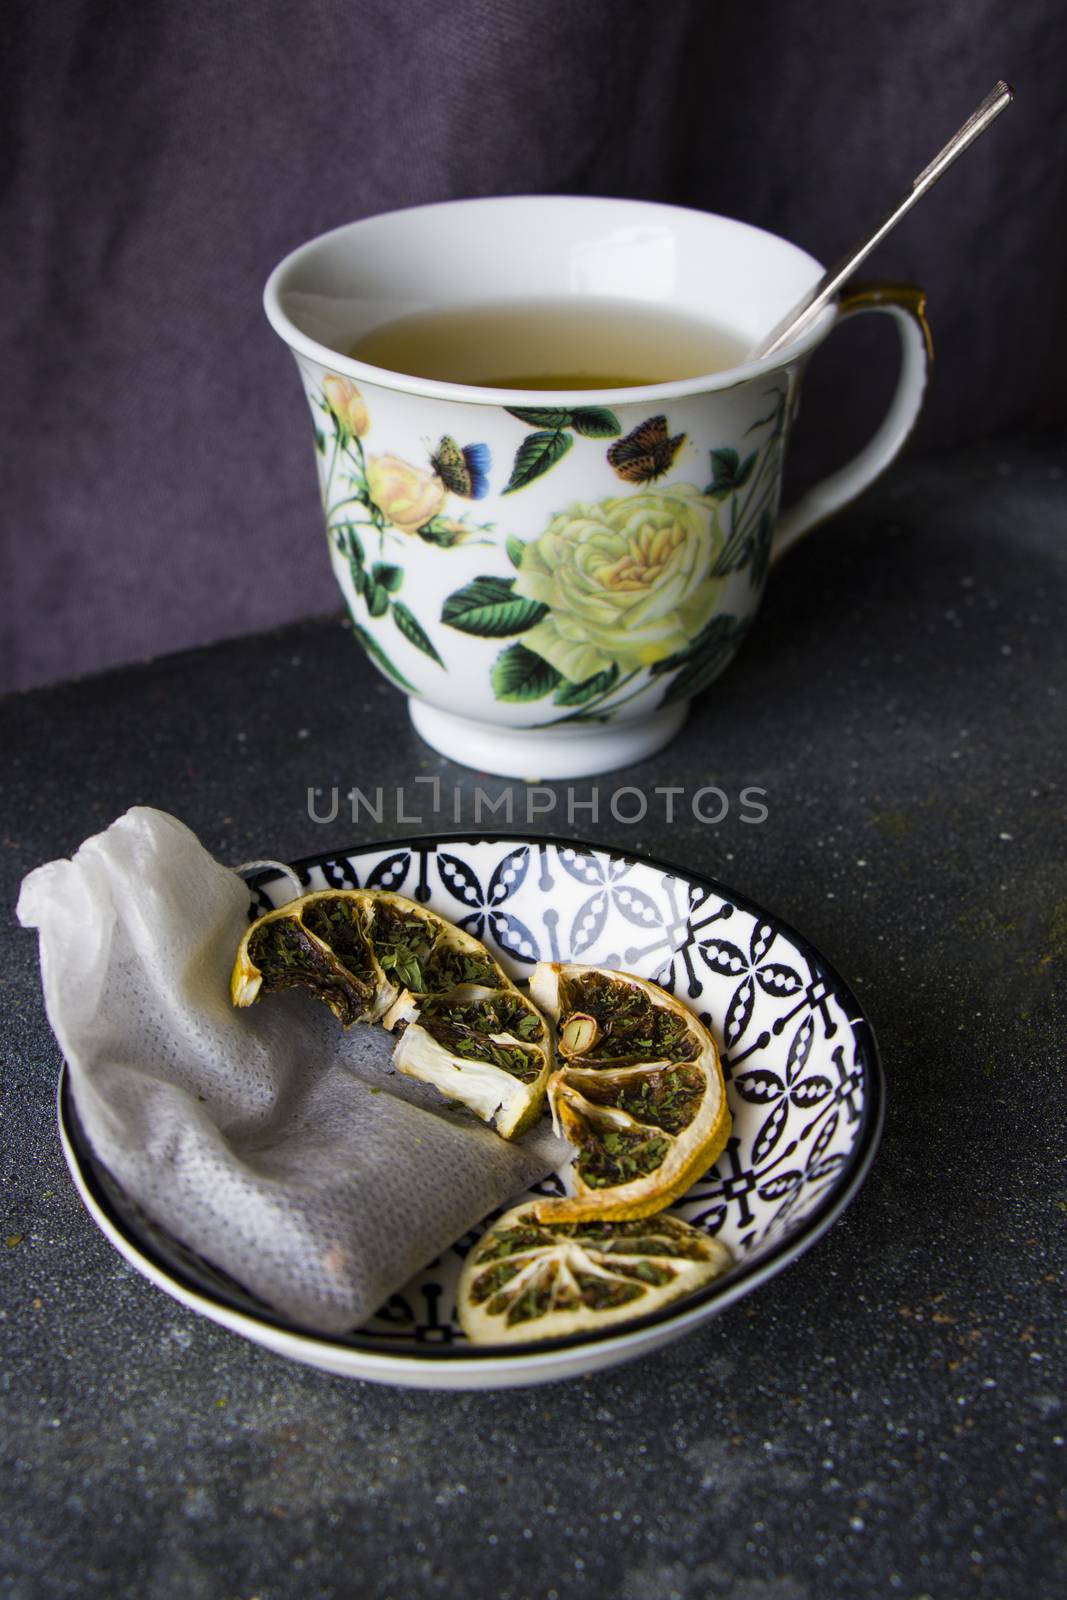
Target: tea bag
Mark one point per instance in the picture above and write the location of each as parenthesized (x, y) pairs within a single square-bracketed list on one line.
[(274, 1144)]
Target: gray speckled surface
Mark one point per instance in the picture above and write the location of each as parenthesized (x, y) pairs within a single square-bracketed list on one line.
[(886, 1418)]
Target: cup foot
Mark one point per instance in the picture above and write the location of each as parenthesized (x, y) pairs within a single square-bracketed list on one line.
[(571, 750)]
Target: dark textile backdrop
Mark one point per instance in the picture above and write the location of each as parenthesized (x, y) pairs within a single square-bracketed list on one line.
[(157, 159)]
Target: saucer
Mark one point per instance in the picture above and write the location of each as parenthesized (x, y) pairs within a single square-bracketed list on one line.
[(803, 1080)]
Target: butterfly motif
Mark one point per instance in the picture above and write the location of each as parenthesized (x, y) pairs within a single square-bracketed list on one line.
[(465, 472), (646, 453)]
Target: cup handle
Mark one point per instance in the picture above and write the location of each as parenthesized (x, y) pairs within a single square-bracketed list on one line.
[(907, 306)]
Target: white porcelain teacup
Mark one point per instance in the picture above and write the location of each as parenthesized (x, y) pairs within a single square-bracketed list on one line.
[(522, 655)]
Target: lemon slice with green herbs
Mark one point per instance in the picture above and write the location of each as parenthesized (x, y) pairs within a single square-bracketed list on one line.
[(373, 956), (527, 1279), (359, 950), (489, 1048), (638, 1091)]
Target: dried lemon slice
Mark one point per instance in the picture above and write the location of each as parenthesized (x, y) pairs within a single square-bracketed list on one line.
[(360, 950), (422, 954), (375, 956), (489, 1048), (528, 1279), (639, 1091)]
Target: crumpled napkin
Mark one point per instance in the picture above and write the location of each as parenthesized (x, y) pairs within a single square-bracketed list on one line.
[(270, 1141)]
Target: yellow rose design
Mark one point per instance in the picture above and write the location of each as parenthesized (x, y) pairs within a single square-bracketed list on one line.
[(347, 404), (406, 496), (627, 580)]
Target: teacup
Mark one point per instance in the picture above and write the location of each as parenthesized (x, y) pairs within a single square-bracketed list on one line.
[(503, 616)]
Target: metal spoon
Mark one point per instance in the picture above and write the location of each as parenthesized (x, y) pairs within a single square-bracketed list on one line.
[(806, 310)]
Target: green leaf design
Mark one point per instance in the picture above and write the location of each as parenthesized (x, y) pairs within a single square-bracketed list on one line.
[(595, 422), (592, 422), (775, 415), (724, 464), (577, 694), (414, 632), (536, 453), (388, 576), (320, 441), (348, 544), (515, 548), (490, 609), (721, 627), (377, 654), (377, 598), (519, 674), (761, 553), (748, 546), (438, 532), (541, 416), (692, 679), (729, 472), (705, 658), (347, 531)]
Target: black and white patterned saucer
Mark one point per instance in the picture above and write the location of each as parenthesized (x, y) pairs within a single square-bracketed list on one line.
[(801, 1066)]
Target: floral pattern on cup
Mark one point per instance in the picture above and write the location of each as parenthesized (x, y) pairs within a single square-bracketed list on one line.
[(610, 597), (379, 496), (619, 593), (625, 582), (346, 404), (408, 497)]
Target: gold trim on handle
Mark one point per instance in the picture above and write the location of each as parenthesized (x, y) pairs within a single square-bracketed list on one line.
[(872, 296), (907, 303)]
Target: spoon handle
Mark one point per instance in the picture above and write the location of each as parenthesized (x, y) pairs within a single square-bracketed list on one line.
[(807, 309)]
